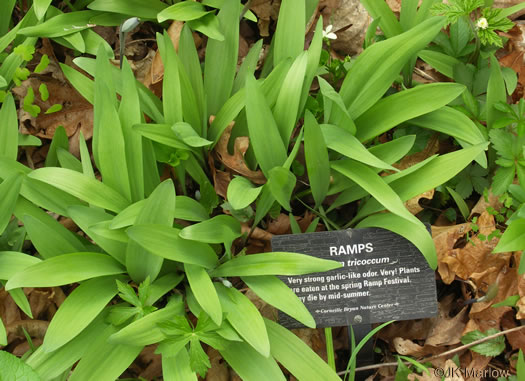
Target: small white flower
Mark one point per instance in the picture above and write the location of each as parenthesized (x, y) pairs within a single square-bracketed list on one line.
[(327, 33), (482, 23)]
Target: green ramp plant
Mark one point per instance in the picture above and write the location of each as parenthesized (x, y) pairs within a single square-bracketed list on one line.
[(129, 215)]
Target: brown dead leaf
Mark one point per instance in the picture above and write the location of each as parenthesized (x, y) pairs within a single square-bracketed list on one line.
[(475, 257), (280, 226), (152, 363), (479, 362), (516, 339), (257, 233), (445, 237), (76, 114), (412, 329), (483, 204), (236, 161), (413, 204), (447, 330), (218, 371), (314, 338), (409, 348), (431, 148)]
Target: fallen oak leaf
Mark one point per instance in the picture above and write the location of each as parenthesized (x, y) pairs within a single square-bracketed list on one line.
[(236, 161)]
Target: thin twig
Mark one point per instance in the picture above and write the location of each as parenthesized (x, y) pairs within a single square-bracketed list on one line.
[(450, 352)]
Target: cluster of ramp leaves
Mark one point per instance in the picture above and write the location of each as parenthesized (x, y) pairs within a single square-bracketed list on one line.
[(129, 215)]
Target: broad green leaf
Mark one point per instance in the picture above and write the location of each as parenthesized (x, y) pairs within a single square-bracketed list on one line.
[(367, 179), (108, 138), (28, 140), (130, 114), (3, 333), (245, 318), (50, 365), (21, 301), (68, 160), (208, 25), (395, 109), (9, 189), (171, 85), (233, 106), (80, 82), (440, 61), (340, 118), (93, 40), (462, 205), (248, 66), (408, 14), (276, 263), (14, 368), (251, 365), (513, 238), (187, 134), (456, 124), (9, 129), (241, 192), (12, 262), (183, 11), (282, 183), (451, 122), (287, 105), (161, 133), (496, 92), (314, 55), (186, 208), (146, 10), (145, 330), (491, 348), (288, 40), (203, 290), (79, 309), (5, 17), (273, 291), (389, 24), (377, 67), (51, 240), (139, 262), (65, 269), (166, 242), (220, 63), (61, 25), (219, 229), (81, 186), (264, 133), (342, 141), (104, 360), (177, 368), (415, 233), (190, 62), (296, 356), (85, 218), (162, 286), (436, 172)]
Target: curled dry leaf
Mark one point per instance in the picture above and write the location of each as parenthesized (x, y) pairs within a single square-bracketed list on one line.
[(236, 161), (413, 204), (280, 226), (35, 328)]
